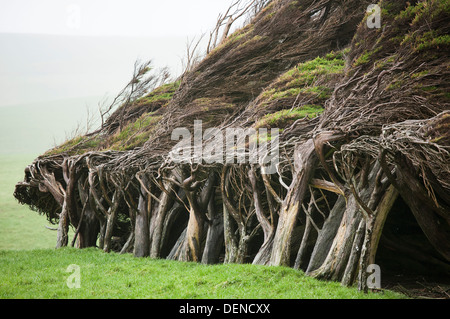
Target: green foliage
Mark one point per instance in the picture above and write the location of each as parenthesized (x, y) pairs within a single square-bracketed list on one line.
[(432, 14), (42, 274), (305, 73), (134, 134), (303, 78), (410, 11), (380, 64), (430, 10), (164, 94), (66, 146), (321, 92), (77, 146), (366, 57), (275, 94), (236, 37), (396, 84), (418, 26), (240, 34), (252, 41), (430, 40), (281, 118)]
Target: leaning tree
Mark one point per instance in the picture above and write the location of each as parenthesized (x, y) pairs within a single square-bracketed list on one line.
[(364, 121)]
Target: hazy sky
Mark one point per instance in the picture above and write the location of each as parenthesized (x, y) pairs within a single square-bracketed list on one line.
[(149, 18), (59, 49), (59, 58)]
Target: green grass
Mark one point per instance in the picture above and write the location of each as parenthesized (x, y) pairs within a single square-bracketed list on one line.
[(306, 73), (305, 78), (135, 133), (434, 37), (366, 57), (77, 145), (164, 93), (280, 118), (42, 274), (20, 228)]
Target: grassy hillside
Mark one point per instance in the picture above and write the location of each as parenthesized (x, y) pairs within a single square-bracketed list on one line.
[(42, 274)]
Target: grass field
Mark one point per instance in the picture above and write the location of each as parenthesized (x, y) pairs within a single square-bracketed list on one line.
[(43, 274)]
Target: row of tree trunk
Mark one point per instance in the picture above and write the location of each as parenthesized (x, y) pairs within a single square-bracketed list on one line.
[(238, 214)]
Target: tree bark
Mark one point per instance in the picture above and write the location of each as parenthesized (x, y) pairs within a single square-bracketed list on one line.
[(382, 212), (305, 161), (352, 265), (341, 260), (128, 244), (267, 225), (231, 241), (88, 232), (194, 231), (157, 222), (198, 203), (215, 235), (62, 238), (89, 226), (178, 248), (141, 228), (301, 258), (335, 263), (236, 240), (71, 179), (173, 225), (326, 236), (111, 219)]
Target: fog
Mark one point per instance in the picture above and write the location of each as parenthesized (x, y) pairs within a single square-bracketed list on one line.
[(53, 49), (37, 68), (59, 58)]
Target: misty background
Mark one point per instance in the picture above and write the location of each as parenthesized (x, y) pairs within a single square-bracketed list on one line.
[(59, 59)]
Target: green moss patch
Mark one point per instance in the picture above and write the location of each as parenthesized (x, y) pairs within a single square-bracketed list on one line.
[(283, 118), (312, 81), (305, 73), (77, 146), (162, 94), (135, 134)]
